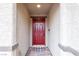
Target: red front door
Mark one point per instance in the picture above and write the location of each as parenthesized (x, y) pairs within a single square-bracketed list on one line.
[(38, 31)]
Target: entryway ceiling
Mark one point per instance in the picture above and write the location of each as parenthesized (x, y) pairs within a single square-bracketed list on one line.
[(43, 10)]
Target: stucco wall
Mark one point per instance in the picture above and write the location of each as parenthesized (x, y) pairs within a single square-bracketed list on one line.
[(23, 28), (54, 29), (6, 28), (69, 26)]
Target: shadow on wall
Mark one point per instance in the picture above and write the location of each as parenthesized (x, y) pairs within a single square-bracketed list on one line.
[(69, 49), (18, 52)]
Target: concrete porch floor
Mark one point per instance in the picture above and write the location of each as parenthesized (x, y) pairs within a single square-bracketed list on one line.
[(38, 51)]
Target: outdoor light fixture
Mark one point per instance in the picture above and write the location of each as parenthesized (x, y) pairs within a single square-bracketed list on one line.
[(38, 6)]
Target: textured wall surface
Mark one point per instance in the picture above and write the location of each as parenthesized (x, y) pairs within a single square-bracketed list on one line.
[(54, 29), (6, 28), (69, 26), (23, 28)]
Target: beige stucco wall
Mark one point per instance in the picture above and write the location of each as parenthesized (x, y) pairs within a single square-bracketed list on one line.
[(54, 29), (22, 29)]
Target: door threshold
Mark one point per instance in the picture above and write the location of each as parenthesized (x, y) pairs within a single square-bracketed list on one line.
[(38, 46)]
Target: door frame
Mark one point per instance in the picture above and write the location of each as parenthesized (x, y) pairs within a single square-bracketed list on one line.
[(46, 36)]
